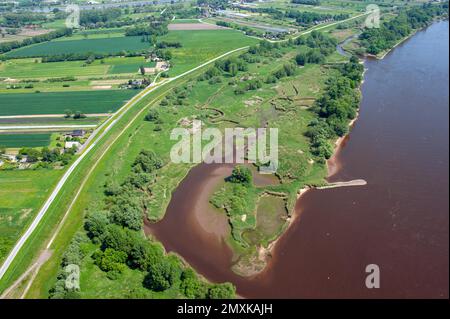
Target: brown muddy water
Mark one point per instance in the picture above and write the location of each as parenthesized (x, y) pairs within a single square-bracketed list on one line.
[(399, 220)]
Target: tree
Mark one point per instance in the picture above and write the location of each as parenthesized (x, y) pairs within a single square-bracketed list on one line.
[(118, 238), (222, 291), (142, 69), (127, 212), (50, 155), (68, 113), (79, 115), (241, 174), (192, 286), (111, 260), (96, 223), (233, 69), (144, 253), (152, 115), (163, 274), (147, 161), (301, 59), (33, 155)]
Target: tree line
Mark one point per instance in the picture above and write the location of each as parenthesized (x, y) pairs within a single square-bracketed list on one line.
[(337, 106), (8, 46), (307, 2), (377, 40)]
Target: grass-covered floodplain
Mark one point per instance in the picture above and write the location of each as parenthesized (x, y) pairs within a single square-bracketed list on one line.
[(24, 140), (58, 102), (102, 45)]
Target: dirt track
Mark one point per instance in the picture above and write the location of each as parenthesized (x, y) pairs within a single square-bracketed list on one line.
[(192, 26)]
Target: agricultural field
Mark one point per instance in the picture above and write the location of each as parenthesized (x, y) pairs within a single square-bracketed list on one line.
[(56, 102), (200, 45), (34, 69), (24, 140), (21, 195), (101, 45), (53, 120)]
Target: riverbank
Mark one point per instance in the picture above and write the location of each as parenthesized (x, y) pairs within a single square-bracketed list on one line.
[(344, 229)]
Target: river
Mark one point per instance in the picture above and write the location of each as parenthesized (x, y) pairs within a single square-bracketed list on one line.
[(398, 221)]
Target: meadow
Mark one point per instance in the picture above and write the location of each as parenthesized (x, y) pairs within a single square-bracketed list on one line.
[(21, 195), (57, 102), (24, 140), (201, 45), (101, 45)]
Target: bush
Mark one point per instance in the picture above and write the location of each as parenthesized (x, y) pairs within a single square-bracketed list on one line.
[(147, 161), (191, 286), (152, 115), (163, 274), (95, 224), (222, 291), (241, 174), (111, 260)]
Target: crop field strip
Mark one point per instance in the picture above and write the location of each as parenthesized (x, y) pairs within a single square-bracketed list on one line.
[(57, 102), (25, 140), (101, 45)]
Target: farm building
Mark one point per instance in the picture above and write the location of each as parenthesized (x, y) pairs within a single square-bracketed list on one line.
[(76, 133), (70, 145)]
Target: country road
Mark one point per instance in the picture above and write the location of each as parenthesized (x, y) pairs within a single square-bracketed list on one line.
[(38, 127)]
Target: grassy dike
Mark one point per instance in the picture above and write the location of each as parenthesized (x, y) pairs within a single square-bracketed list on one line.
[(37, 242)]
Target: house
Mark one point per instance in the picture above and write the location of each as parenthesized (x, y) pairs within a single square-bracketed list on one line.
[(9, 157), (136, 82), (70, 145), (78, 133)]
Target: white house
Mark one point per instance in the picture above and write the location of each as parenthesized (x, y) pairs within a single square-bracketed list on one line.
[(69, 145)]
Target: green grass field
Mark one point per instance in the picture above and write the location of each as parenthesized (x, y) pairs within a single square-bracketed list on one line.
[(129, 66), (202, 45), (102, 45), (25, 140), (28, 69), (21, 195), (57, 102)]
